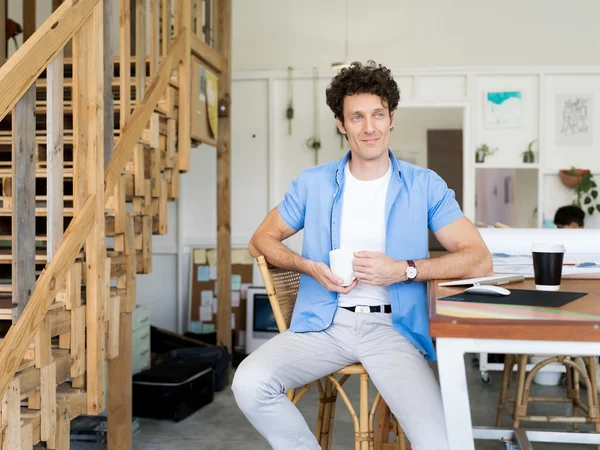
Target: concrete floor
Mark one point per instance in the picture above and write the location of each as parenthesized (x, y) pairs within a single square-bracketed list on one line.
[(221, 426)]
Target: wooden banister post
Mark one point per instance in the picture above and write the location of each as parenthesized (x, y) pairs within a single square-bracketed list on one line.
[(2, 31), (88, 74), (224, 178), (23, 214), (183, 23)]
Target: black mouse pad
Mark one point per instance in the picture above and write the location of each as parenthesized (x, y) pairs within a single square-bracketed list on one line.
[(522, 297)]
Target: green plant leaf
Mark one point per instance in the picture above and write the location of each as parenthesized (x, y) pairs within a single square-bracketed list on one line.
[(594, 193), (587, 200), (598, 208), (591, 210), (593, 184)]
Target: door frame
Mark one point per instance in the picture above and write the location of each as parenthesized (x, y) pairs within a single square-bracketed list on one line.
[(468, 200)]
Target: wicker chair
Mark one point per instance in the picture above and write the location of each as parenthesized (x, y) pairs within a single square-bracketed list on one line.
[(282, 288)]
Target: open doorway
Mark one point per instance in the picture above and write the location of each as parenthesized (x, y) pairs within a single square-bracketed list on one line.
[(432, 137)]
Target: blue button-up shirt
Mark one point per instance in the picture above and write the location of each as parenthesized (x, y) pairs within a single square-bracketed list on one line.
[(417, 200)]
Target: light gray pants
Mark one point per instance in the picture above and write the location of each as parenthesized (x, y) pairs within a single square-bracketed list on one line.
[(290, 360)]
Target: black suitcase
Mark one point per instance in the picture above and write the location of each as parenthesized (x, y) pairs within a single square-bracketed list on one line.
[(172, 392)]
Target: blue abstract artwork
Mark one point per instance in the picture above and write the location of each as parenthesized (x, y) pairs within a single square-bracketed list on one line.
[(504, 109)]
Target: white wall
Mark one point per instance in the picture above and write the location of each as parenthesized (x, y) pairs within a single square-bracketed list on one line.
[(409, 137), (274, 34)]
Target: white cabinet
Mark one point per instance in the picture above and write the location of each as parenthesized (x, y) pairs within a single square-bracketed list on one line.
[(140, 342)]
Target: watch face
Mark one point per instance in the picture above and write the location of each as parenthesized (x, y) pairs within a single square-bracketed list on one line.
[(411, 272)]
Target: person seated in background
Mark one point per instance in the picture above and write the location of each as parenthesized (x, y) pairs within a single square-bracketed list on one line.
[(570, 216)]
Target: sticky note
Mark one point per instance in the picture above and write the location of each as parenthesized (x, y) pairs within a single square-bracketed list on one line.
[(213, 272), (215, 305), (232, 321), (212, 257), (235, 299), (236, 282), (206, 313), (206, 298), (241, 256), (244, 290), (199, 256), (203, 273)]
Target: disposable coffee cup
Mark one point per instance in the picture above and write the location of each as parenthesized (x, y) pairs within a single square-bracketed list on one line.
[(340, 263), (547, 265)]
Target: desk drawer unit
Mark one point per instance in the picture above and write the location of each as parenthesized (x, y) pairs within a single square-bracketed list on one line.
[(140, 342)]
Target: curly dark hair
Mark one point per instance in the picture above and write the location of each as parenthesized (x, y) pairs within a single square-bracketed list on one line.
[(371, 78), (565, 215)]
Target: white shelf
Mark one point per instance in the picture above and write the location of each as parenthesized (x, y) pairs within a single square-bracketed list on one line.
[(507, 166)]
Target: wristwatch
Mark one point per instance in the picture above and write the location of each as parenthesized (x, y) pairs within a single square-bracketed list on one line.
[(411, 271)]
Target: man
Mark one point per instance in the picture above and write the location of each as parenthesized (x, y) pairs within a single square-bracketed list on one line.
[(570, 216), (381, 208)]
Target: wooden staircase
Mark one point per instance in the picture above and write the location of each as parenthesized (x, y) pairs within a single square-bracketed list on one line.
[(89, 155)]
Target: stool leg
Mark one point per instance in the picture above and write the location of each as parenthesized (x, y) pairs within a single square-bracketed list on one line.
[(506, 375), (576, 397), (522, 370), (364, 411), (594, 411), (324, 438), (399, 436), (319, 428), (382, 430), (331, 417)]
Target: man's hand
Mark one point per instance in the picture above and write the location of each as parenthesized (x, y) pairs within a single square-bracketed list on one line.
[(377, 269), (323, 274)]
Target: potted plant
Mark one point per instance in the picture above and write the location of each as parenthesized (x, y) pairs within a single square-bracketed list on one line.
[(482, 151), (586, 194), (572, 177), (529, 155)]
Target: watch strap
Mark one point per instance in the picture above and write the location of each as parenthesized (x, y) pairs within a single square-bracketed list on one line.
[(412, 264)]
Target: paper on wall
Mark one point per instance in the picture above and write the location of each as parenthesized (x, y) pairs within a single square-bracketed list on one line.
[(213, 272), (235, 299), (206, 297), (236, 282), (199, 256), (232, 321), (244, 291), (205, 313), (203, 273), (214, 305), (241, 256), (212, 257)]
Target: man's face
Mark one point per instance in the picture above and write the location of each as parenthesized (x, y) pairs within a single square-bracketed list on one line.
[(367, 123)]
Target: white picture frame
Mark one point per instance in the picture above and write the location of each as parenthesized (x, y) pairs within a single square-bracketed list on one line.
[(504, 109)]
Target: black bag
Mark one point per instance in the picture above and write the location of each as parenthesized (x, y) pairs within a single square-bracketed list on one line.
[(172, 392), (217, 357)]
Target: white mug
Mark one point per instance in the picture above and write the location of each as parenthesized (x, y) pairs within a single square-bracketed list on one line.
[(340, 262)]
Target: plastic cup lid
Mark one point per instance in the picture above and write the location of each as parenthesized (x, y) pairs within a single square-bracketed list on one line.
[(541, 247)]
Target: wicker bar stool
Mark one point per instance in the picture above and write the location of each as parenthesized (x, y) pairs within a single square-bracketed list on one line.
[(282, 288), (575, 373)]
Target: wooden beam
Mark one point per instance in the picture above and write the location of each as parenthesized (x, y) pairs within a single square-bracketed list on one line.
[(166, 26), (183, 20), (48, 397), (109, 114), (29, 19), (54, 153), (10, 417), (23, 217), (23, 68), (140, 50), (3, 33), (95, 244), (133, 128), (125, 61), (154, 36), (15, 344), (224, 180), (208, 55), (119, 390)]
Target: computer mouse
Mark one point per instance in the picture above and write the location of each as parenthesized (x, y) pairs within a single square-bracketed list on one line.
[(486, 289)]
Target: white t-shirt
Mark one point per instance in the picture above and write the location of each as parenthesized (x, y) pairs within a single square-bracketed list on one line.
[(363, 229)]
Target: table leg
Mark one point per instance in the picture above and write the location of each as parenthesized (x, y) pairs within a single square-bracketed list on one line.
[(453, 383)]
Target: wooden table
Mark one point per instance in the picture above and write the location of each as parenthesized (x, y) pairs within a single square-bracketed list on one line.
[(460, 328)]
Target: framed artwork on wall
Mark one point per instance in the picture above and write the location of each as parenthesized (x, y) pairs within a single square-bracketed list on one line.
[(574, 120), (504, 109)]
